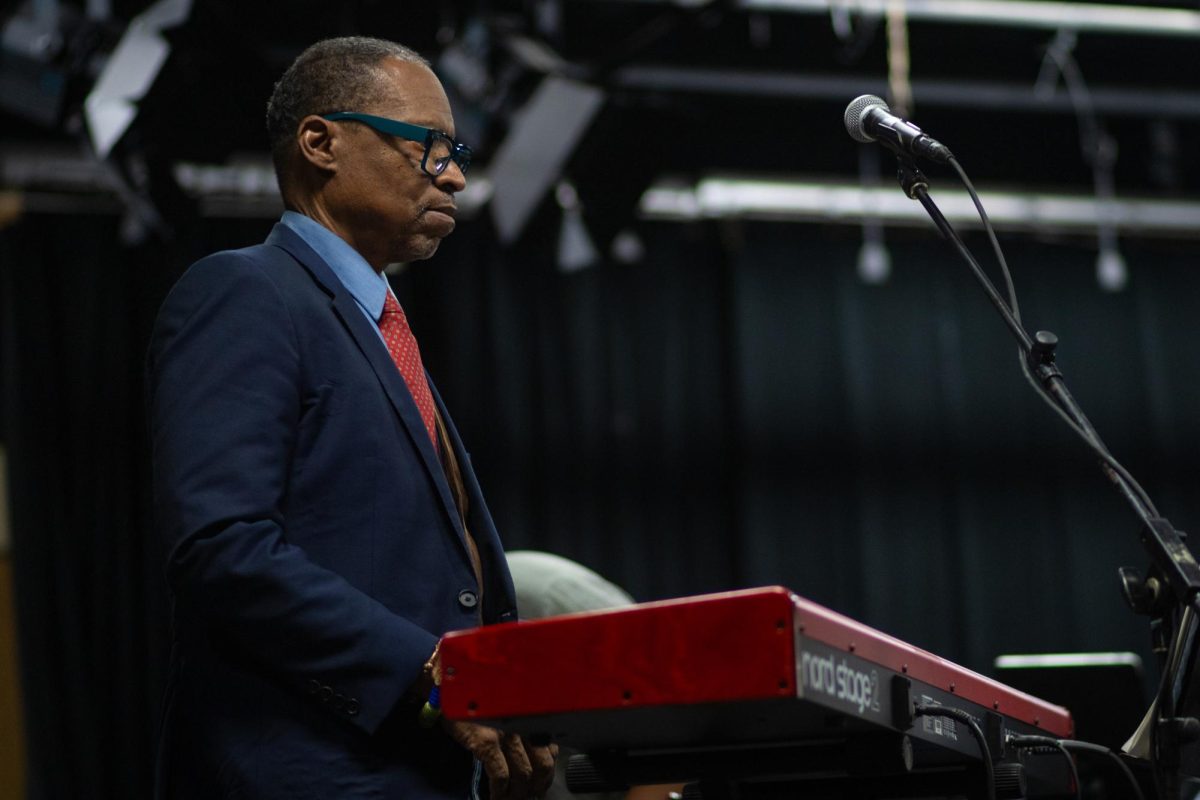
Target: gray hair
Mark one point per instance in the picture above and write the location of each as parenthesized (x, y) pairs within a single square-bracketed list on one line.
[(332, 75)]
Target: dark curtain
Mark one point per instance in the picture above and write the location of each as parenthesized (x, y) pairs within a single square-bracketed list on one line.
[(736, 409), (76, 305), (600, 404), (88, 599), (902, 471), (740, 409)]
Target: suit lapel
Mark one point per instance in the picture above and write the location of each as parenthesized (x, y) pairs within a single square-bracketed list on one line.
[(372, 347)]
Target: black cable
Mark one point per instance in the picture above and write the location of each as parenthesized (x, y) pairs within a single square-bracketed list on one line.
[(987, 226), (1090, 747), (1089, 437), (1073, 769), (1082, 427), (989, 771), (1030, 742)]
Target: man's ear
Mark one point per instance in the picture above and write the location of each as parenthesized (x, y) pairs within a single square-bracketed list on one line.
[(316, 137)]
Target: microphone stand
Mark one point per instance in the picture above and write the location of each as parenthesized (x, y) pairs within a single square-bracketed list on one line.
[(1168, 594)]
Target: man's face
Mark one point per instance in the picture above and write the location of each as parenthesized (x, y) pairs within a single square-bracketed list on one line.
[(387, 207)]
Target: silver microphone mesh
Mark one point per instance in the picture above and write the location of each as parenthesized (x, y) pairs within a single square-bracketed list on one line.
[(854, 114)]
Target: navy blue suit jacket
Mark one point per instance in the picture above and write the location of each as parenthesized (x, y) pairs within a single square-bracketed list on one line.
[(314, 551)]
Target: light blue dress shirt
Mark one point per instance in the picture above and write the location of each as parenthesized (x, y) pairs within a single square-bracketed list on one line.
[(368, 287)]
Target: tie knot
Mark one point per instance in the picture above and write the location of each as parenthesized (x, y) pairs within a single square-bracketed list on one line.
[(391, 305)]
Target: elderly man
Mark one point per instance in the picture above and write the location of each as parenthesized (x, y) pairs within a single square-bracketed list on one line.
[(322, 522)]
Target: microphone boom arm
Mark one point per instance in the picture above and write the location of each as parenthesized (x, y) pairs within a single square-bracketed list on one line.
[(1179, 604)]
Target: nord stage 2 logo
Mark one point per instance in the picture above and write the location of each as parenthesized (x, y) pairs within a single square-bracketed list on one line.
[(836, 677)]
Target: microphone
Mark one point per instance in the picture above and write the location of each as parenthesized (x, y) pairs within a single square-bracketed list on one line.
[(868, 119)]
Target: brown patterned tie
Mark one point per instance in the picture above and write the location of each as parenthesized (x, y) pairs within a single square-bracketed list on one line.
[(402, 346)]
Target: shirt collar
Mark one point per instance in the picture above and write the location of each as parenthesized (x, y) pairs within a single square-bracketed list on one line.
[(367, 286)]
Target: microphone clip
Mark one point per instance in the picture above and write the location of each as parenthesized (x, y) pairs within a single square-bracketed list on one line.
[(912, 180)]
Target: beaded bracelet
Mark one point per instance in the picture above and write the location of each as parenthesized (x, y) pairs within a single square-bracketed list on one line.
[(431, 712)]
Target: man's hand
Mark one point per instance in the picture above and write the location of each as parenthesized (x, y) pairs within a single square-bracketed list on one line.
[(516, 769)]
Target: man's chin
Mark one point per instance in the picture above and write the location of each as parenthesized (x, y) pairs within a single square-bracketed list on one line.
[(418, 251)]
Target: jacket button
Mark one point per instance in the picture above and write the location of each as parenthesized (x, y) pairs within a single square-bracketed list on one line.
[(326, 694), (339, 701), (467, 599), (314, 686), (352, 706)]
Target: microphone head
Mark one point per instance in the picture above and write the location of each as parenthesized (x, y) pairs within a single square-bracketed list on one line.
[(856, 111)]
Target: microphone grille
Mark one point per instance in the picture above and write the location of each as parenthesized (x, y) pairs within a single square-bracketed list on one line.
[(854, 114)]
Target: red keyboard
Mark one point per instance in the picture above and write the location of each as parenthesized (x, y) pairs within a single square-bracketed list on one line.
[(728, 670)]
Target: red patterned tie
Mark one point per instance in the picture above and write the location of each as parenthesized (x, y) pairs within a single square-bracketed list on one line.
[(403, 347)]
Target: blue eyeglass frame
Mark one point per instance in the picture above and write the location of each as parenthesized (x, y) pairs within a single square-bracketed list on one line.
[(459, 153)]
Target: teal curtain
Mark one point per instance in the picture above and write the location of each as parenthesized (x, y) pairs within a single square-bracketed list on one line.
[(736, 409)]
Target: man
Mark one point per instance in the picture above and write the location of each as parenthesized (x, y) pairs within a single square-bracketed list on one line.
[(323, 524)]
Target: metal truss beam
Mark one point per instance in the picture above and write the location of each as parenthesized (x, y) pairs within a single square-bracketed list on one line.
[(1080, 17), (959, 94)]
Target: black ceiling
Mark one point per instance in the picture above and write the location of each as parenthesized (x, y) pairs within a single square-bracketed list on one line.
[(208, 101)]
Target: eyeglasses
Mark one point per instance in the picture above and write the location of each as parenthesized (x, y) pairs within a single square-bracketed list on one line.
[(440, 149)]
